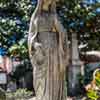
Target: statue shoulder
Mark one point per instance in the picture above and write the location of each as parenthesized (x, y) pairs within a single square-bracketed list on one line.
[(35, 14), (34, 19)]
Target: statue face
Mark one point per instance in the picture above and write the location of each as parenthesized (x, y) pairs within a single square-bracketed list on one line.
[(46, 4)]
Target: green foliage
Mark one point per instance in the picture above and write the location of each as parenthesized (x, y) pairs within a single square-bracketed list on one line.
[(18, 50), (94, 92), (20, 94), (82, 19), (14, 21), (92, 95)]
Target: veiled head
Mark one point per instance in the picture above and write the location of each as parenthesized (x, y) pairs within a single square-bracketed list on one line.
[(46, 4)]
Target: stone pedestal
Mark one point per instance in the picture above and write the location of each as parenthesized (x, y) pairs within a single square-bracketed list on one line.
[(74, 74), (74, 70)]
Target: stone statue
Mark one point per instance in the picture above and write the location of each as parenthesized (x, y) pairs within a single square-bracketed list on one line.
[(47, 43)]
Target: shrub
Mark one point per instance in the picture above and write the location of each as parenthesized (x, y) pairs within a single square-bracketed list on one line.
[(2, 94), (20, 94), (94, 92)]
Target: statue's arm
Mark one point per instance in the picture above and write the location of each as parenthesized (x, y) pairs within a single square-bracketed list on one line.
[(61, 30), (63, 38), (58, 25)]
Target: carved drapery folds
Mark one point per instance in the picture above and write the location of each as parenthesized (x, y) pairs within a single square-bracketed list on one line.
[(47, 43)]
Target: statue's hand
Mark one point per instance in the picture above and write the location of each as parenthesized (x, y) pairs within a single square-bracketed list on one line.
[(34, 42), (37, 44), (39, 54)]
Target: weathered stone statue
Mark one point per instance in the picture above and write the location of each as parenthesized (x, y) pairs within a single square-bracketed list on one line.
[(48, 52)]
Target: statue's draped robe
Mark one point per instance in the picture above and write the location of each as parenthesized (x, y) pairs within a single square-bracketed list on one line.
[(49, 60)]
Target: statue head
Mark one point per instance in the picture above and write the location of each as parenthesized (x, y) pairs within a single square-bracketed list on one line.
[(46, 5)]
